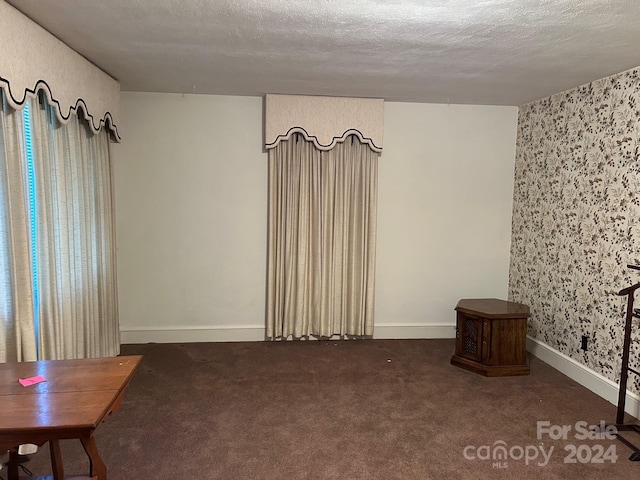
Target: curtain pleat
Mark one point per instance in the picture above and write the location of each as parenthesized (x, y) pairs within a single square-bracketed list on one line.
[(78, 315), (321, 252), (17, 331)]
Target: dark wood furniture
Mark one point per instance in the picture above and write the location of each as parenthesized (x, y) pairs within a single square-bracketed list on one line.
[(491, 337), (75, 398), (620, 425)]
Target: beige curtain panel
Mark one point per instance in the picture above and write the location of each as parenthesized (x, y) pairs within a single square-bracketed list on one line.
[(17, 328), (321, 239), (78, 315), (59, 287)]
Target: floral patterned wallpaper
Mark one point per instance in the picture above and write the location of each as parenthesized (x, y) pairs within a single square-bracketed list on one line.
[(576, 219)]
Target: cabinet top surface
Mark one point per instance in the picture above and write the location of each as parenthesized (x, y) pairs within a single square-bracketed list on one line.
[(492, 308)]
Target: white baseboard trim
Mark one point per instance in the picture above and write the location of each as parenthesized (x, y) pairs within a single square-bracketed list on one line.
[(586, 377), (190, 334), (256, 333), (389, 331)]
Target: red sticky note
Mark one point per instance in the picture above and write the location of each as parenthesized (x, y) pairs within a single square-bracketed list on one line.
[(25, 382)]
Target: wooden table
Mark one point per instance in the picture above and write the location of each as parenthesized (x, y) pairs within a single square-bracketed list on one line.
[(491, 337), (75, 398)]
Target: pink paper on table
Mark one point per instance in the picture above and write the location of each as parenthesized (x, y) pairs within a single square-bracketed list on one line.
[(25, 382)]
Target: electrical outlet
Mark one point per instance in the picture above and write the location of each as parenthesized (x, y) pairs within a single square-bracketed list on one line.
[(585, 340)]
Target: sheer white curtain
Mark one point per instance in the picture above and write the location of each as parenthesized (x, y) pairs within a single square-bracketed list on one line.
[(17, 330), (73, 282), (321, 239)]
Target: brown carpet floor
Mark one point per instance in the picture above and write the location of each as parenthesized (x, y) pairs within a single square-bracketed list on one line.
[(374, 409)]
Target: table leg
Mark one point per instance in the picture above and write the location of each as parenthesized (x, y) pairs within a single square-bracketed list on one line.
[(13, 464), (97, 468), (56, 460)]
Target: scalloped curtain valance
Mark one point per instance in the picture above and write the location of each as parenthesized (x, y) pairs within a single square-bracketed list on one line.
[(325, 121), (31, 59)]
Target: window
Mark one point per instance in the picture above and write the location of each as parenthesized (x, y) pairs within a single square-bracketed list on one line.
[(33, 224)]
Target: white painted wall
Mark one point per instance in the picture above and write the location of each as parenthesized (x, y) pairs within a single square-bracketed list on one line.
[(191, 192), (444, 211)]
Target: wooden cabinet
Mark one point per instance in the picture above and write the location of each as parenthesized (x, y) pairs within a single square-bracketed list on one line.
[(491, 337)]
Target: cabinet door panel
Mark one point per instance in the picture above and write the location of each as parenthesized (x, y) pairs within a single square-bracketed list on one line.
[(469, 337)]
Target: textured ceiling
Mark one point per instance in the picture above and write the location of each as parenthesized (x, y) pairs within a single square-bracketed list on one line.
[(500, 52)]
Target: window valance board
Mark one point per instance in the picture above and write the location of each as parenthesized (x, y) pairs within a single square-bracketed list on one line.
[(326, 121), (33, 60)]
